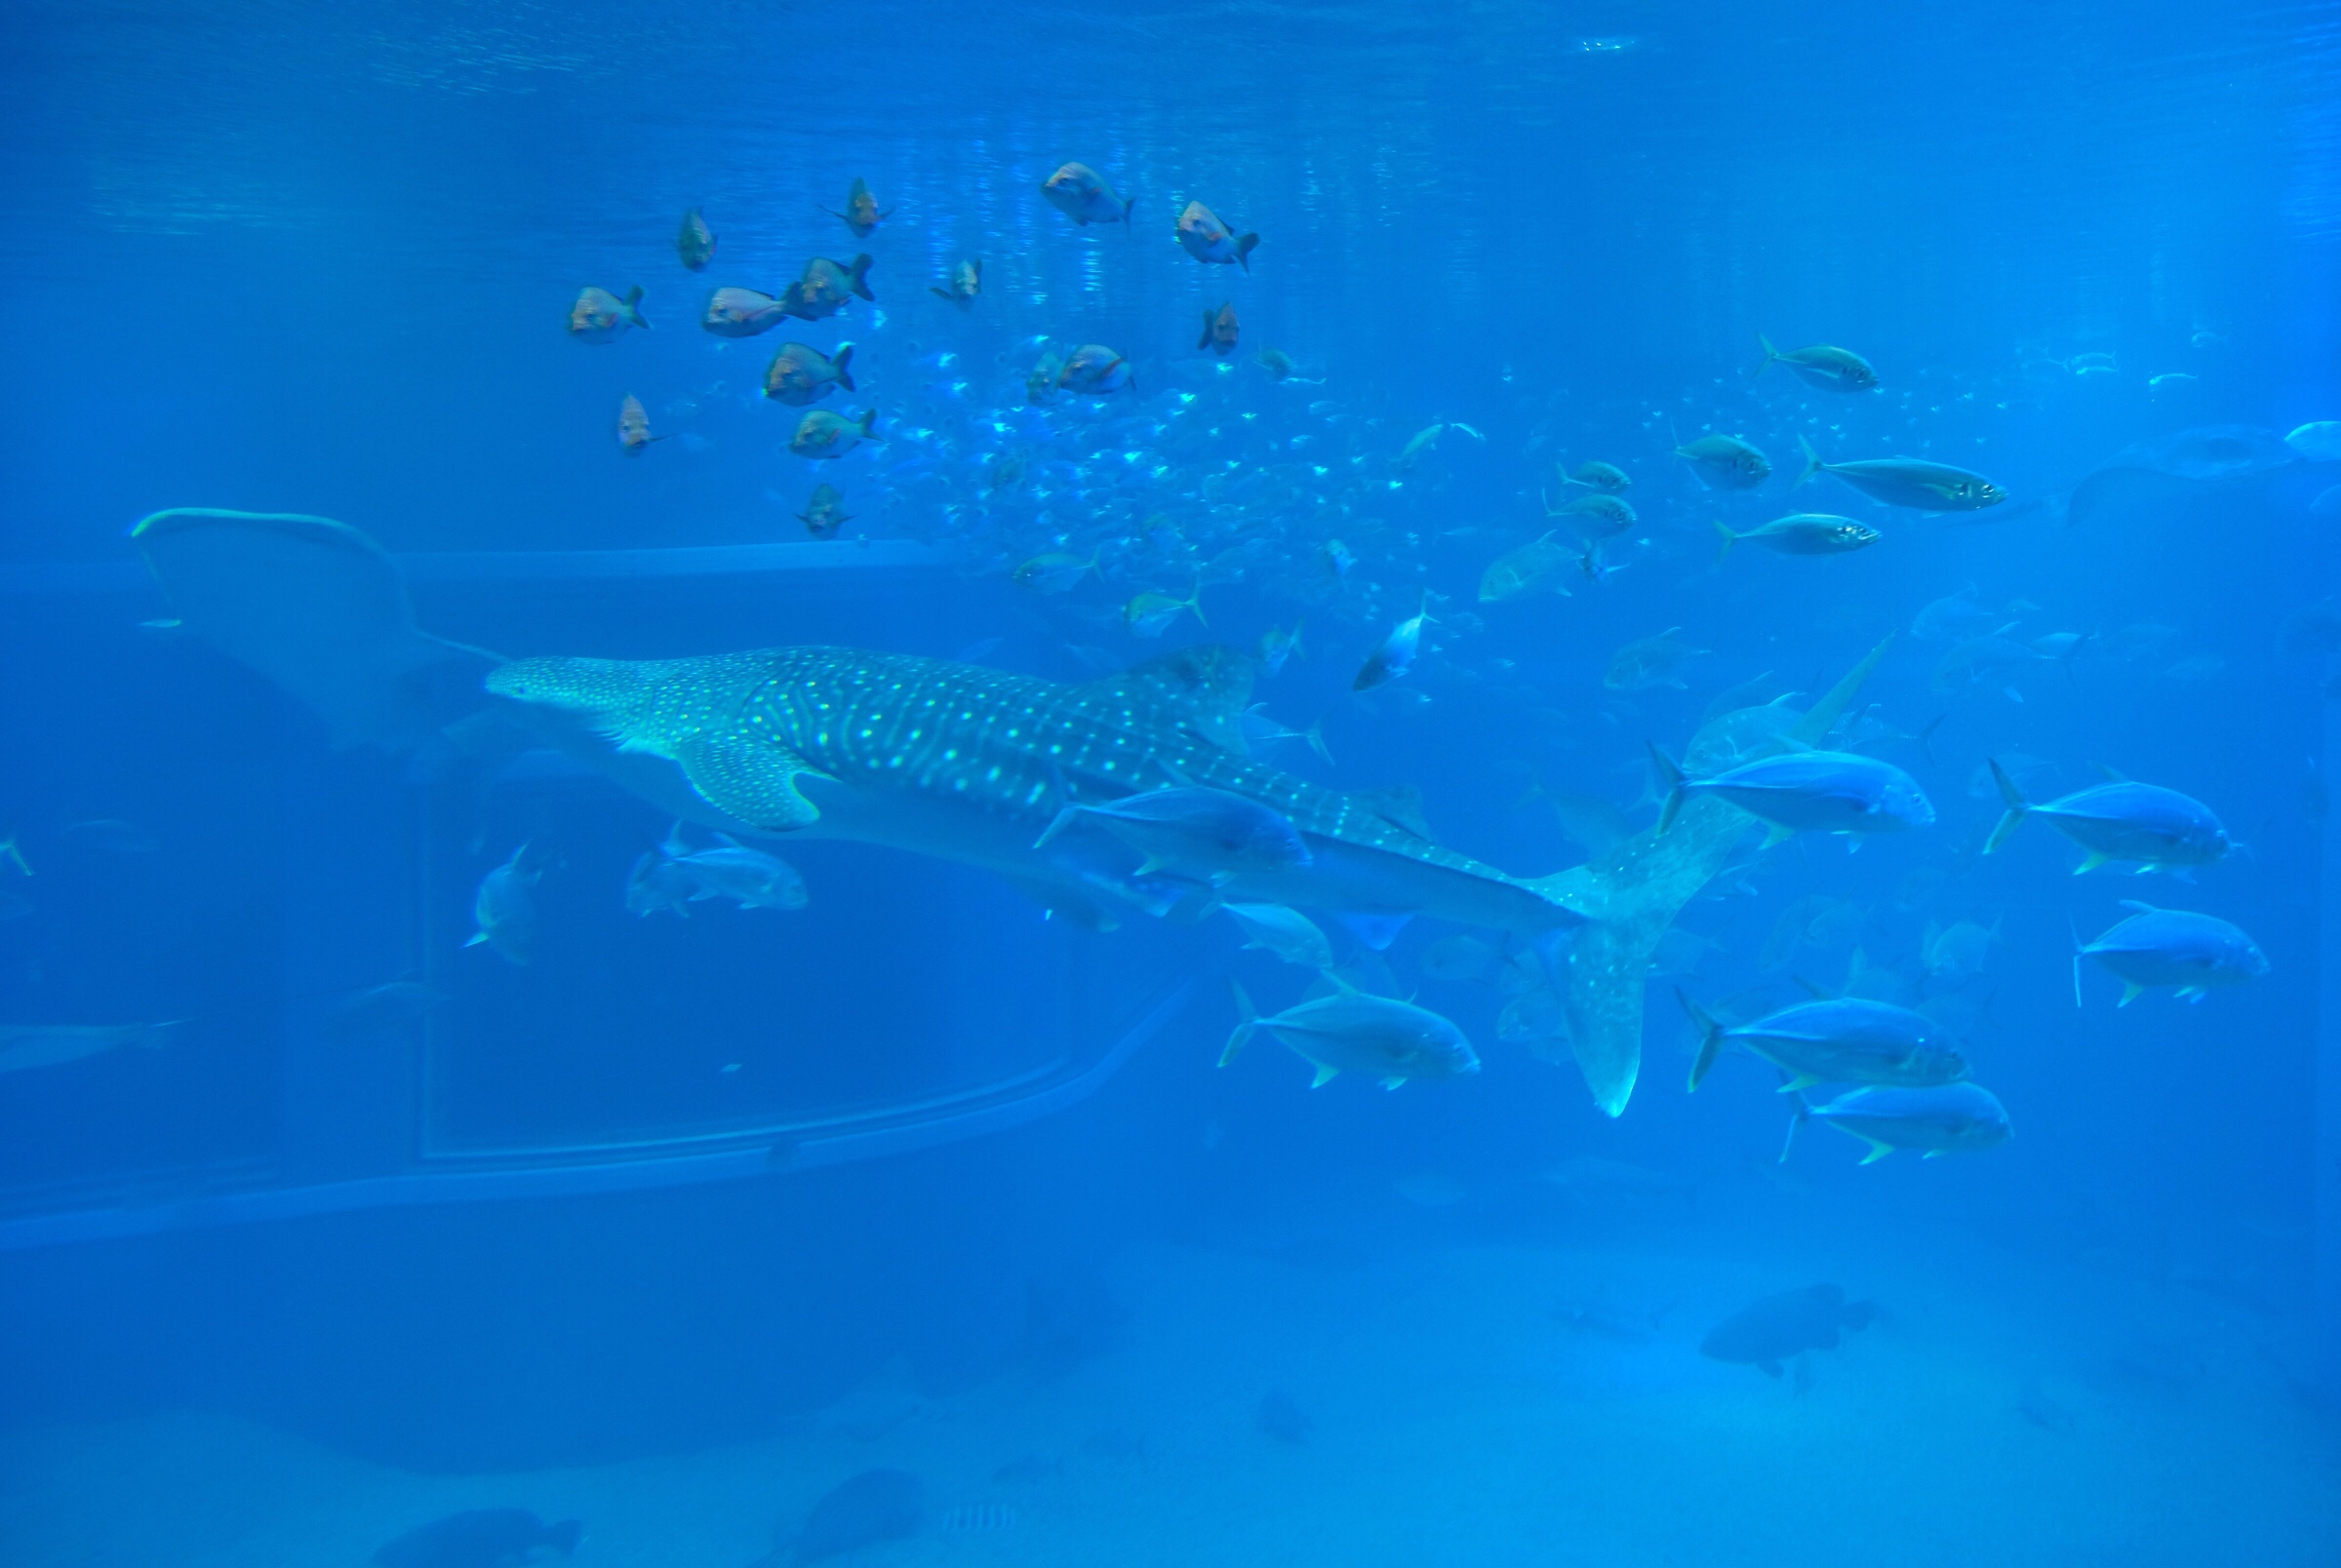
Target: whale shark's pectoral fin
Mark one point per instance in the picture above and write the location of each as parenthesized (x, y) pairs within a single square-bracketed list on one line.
[(751, 779)]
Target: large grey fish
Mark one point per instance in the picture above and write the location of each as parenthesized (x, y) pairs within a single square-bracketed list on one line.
[(2189, 951), (1203, 237), (1939, 1118), (827, 287), (479, 1538), (1766, 1333), (2120, 819), (26, 1046), (943, 758), (1912, 482), (1352, 1032), (1838, 1039)]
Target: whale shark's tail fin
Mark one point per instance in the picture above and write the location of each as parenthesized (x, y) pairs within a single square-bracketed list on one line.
[(319, 608), (1631, 895)]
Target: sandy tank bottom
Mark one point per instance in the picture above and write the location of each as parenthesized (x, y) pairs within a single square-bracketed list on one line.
[(1994, 1414)]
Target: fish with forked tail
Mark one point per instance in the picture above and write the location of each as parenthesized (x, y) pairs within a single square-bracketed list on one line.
[(1203, 237), (599, 316), (821, 435)]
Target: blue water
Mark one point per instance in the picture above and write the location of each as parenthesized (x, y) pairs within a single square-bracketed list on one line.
[(683, 1222)]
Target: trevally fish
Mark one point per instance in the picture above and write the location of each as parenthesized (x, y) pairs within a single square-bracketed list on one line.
[(598, 316), (947, 759), (1807, 790), (1056, 572), (824, 512), (966, 282), (695, 241), (2119, 820), (1352, 1032), (1260, 729), (1806, 533), (1940, 1119), (1957, 952), (1206, 834), (1769, 1333), (675, 874), (1954, 616), (741, 313), (1150, 615), (634, 427), (26, 1046), (478, 1538), (503, 911), (1203, 237), (1912, 482), (861, 214), (1286, 932), (1536, 564), (1080, 193), (1599, 514), (1844, 1040), (1832, 370), (1994, 657), (1220, 329), (1277, 646), (1651, 662), (2318, 443), (821, 435), (1602, 477), (2188, 952), (1395, 656), (1725, 462)]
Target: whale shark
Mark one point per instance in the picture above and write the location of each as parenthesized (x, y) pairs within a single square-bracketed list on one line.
[(954, 759)]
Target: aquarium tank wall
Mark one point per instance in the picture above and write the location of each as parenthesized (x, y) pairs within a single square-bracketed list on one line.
[(1314, 783)]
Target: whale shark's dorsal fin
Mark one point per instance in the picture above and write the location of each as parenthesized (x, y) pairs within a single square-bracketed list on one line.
[(318, 608), (1207, 688), (1400, 806)]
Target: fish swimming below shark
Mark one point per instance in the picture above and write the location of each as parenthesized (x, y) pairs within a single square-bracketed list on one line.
[(941, 758)]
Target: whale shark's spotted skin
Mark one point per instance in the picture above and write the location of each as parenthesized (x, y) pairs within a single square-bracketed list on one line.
[(1012, 746)]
